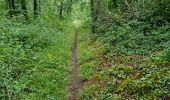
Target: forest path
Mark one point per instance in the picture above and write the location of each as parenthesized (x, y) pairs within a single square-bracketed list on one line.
[(74, 82)]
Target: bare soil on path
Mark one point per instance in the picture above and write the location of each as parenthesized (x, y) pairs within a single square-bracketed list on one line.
[(75, 83)]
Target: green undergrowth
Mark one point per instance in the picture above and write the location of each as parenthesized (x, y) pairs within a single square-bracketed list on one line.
[(126, 77), (86, 64), (138, 60), (84, 55), (131, 64), (34, 60)]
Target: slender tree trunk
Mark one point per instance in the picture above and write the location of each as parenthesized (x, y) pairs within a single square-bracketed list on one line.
[(61, 10), (24, 9), (11, 7), (95, 13), (36, 8), (92, 16), (98, 6), (69, 9)]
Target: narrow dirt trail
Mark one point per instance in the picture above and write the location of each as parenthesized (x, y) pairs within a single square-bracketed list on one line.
[(75, 83)]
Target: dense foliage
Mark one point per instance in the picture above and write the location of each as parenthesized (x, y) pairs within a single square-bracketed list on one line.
[(29, 54), (132, 41), (34, 55)]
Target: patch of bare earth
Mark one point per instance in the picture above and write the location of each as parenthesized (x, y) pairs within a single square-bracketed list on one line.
[(75, 82)]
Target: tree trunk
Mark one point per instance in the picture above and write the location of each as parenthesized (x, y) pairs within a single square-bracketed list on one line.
[(92, 16), (11, 7), (36, 8), (95, 13), (98, 6), (24, 9), (61, 10), (69, 9)]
